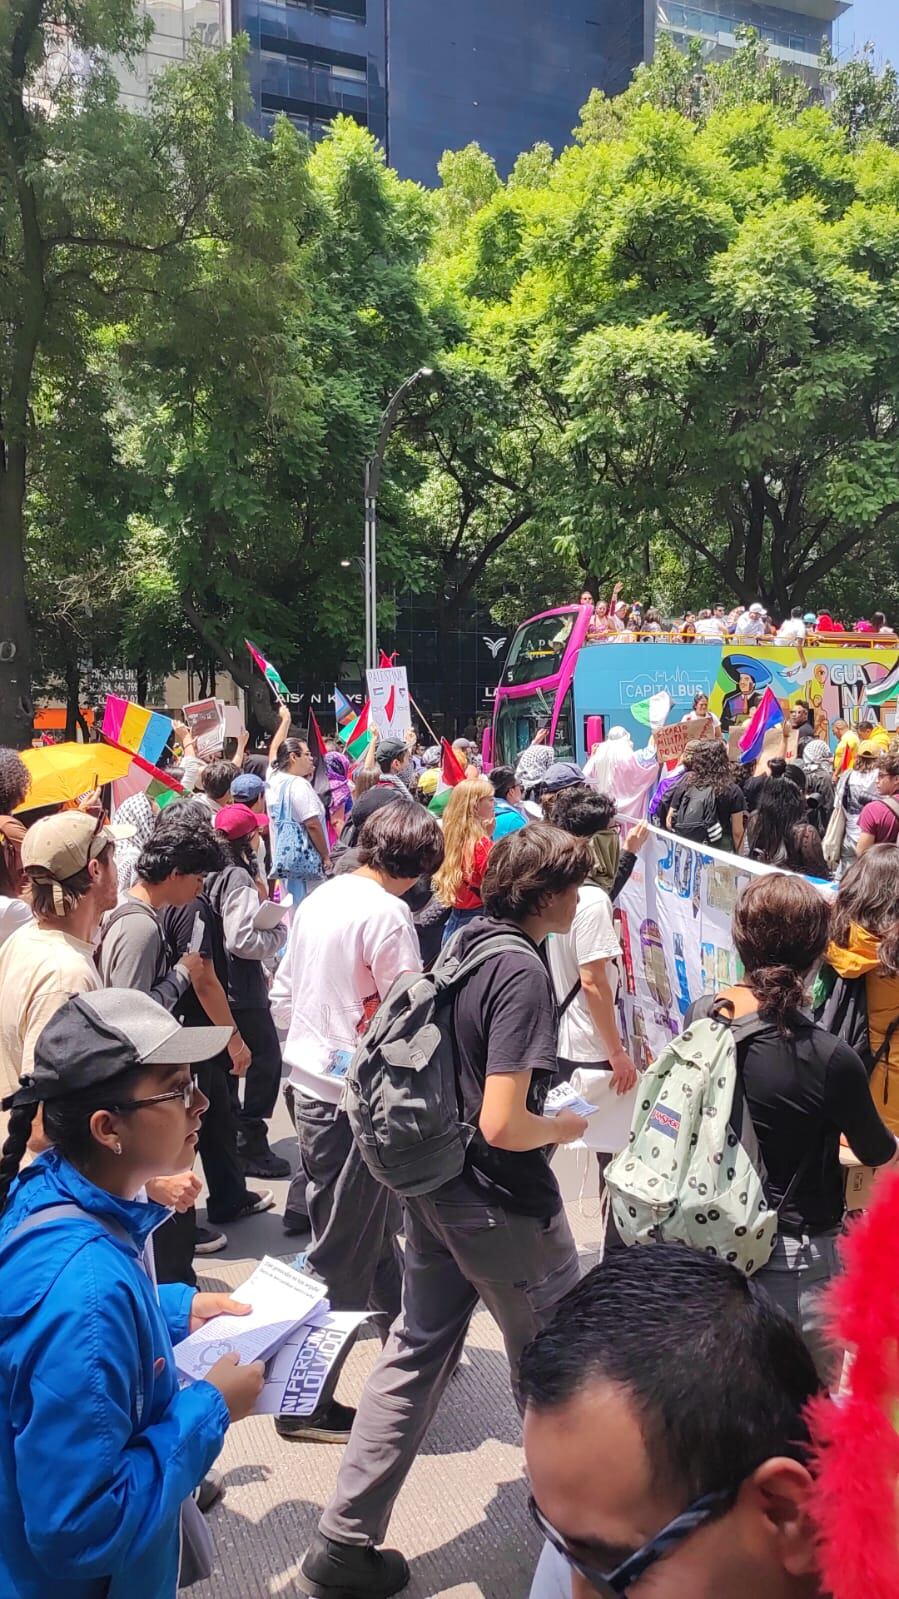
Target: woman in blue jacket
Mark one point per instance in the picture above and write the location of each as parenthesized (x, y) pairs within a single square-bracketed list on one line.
[(98, 1445)]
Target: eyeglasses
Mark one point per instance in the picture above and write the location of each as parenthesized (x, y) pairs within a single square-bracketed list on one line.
[(615, 1584), (187, 1093)]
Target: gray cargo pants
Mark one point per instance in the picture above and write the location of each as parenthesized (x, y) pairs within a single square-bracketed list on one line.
[(455, 1254), (354, 1219)]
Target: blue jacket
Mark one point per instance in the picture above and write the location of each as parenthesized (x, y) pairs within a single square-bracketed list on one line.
[(98, 1446), (508, 820)]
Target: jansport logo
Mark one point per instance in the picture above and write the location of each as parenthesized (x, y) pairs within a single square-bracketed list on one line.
[(665, 1121)]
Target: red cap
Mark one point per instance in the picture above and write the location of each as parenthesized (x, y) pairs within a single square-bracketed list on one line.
[(238, 821)]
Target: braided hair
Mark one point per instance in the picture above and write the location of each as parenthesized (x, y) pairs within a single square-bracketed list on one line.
[(21, 1119), (67, 1124)]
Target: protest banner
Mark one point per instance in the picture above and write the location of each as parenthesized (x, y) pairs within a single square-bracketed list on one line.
[(670, 742), (206, 720), (674, 922), (388, 693)]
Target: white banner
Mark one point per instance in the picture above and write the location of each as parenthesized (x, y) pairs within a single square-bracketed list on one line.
[(388, 693), (674, 922)]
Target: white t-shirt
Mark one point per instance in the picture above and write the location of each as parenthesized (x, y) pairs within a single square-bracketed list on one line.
[(748, 625), (592, 937), (303, 802), (792, 631), (348, 943), (710, 627), (40, 968)]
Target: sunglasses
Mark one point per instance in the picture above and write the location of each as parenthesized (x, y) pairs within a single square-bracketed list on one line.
[(616, 1584), (187, 1094)]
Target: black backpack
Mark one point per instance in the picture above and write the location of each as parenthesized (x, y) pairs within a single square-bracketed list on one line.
[(697, 816)]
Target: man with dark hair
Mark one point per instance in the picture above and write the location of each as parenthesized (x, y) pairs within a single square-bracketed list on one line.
[(664, 1435), (801, 723), (879, 820), (509, 795), (348, 943), (498, 1232), (136, 951), (214, 786), (393, 758)]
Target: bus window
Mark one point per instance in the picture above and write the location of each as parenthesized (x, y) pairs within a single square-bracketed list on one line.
[(537, 649), (563, 738), (517, 724)]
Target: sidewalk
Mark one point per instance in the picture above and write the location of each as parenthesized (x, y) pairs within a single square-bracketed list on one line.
[(461, 1518)]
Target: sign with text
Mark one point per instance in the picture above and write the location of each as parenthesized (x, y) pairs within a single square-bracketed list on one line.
[(206, 720), (388, 693), (671, 741)]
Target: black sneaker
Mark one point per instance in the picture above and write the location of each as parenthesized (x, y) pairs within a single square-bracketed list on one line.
[(208, 1240), (253, 1205), (264, 1163), (295, 1222), (332, 1425), (351, 1571)]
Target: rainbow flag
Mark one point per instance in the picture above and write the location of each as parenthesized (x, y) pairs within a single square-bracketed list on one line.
[(131, 727), (767, 715), (357, 738), (343, 710), (271, 674)]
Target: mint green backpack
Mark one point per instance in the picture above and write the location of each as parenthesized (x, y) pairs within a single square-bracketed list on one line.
[(692, 1170)]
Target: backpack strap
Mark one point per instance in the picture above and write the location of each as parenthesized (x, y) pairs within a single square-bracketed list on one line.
[(495, 944), (569, 999), (71, 1212), (890, 803)]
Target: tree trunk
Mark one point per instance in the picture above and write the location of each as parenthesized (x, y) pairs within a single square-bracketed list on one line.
[(16, 705), (142, 676), (260, 695), (73, 687)]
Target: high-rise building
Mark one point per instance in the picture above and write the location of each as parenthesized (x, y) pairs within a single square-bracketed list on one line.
[(427, 75), (176, 24), (430, 75)]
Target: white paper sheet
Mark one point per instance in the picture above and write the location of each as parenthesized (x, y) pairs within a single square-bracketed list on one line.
[(296, 1373), (271, 912), (280, 1298)]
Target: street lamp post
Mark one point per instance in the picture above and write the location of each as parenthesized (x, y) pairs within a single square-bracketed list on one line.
[(373, 468)]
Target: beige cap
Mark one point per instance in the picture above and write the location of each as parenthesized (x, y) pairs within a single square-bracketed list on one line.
[(62, 845)]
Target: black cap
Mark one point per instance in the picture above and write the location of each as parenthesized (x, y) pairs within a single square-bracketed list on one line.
[(390, 750), (95, 1037), (562, 774)]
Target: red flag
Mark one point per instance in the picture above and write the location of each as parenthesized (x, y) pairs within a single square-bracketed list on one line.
[(388, 707), (451, 769), (387, 660)]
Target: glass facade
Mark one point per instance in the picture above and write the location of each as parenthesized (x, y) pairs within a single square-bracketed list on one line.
[(175, 24), (787, 29), (313, 59)]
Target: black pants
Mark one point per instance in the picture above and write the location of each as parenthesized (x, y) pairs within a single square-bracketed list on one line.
[(260, 1086), (173, 1249), (218, 1138)]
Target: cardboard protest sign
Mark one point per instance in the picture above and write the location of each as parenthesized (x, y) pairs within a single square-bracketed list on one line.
[(670, 742), (206, 720), (388, 693)]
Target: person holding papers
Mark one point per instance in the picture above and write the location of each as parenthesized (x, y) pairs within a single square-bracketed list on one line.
[(100, 1450)]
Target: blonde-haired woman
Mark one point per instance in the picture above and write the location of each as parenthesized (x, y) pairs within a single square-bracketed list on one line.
[(467, 837)]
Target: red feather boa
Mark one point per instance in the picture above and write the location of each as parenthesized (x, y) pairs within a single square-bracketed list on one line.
[(856, 1437)]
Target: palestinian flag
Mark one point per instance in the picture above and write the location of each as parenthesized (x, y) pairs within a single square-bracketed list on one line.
[(271, 674), (452, 772), (886, 689), (357, 737)]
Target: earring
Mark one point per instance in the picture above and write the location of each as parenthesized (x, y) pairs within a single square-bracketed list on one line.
[(118, 1148)]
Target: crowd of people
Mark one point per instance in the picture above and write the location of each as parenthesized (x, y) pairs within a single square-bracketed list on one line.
[(625, 622), (148, 1016)]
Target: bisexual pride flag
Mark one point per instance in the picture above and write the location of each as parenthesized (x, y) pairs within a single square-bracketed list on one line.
[(766, 716)]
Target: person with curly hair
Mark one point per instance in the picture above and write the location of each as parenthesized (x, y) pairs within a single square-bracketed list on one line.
[(710, 776), (15, 781)]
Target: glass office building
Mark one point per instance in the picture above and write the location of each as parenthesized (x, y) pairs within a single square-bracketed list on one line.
[(175, 24), (430, 75)]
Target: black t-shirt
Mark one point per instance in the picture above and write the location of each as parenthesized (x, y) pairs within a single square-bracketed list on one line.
[(803, 1090), (363, 808), (727, 804), (178, 921), (505, 1021)]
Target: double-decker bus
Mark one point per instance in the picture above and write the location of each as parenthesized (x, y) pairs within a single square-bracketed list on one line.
[(553, 678)]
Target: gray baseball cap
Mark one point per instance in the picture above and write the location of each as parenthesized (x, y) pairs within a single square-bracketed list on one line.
[(95, 1037)]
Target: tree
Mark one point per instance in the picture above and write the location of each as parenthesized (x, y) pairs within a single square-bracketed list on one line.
[(249, 410), (704, 310), (100, 210)]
